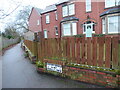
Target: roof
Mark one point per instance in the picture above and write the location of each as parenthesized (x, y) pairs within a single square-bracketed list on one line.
[(111, 11), (38, 10), (69, 19), (62, 1), (49, 8)]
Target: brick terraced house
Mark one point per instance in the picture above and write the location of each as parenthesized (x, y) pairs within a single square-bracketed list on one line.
[(73, 17)]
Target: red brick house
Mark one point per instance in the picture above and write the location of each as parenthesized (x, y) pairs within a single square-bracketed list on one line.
[(49, 22), (73, 17), (35, 20)]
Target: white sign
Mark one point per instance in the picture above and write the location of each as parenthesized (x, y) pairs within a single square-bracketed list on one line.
[(54, 67)]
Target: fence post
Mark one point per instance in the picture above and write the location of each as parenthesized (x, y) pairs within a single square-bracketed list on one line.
[(115, 52), (35, 46)]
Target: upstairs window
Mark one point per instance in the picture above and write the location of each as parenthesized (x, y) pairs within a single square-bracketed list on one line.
[(47, 19), (56, 16), (38, 22), (88, 5), (111, 3), (68, 10), (71, 9), (65, 11)]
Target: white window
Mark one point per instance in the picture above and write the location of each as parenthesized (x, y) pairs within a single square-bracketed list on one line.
[(103, 25), (111, 3), (69, 29), (113, 24), (117, 2), (38, 22), (88, 5), (68, 10), (45, 34), (74, 28), (66, 29), (65, 11), (47, 19), (71, 9), (56, 16), (56, 30)]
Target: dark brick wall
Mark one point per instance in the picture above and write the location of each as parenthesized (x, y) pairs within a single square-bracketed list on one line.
[(34, 16)]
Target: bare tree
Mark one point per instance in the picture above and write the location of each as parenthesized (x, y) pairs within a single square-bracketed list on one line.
[(21, 22), (3, 15), (11, 32)]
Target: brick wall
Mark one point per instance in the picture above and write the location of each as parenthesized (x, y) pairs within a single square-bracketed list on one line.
[(34, 16)]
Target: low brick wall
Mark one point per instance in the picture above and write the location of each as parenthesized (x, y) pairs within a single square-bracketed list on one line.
[(107, 79)]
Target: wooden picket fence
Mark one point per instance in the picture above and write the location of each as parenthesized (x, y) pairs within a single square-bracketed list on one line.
[(95, 51)]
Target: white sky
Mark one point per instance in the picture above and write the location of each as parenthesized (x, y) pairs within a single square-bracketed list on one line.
[(9, 5)]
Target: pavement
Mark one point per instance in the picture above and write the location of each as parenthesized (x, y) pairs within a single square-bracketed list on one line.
[(18, 72)]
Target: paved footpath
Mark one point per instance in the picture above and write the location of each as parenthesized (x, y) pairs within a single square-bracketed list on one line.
[(18, 72)]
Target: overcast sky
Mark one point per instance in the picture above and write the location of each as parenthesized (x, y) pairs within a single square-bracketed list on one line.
[(9, 5)]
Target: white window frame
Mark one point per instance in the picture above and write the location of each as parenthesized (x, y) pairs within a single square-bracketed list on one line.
[(38, 22), (56, 15), (72, 24), (47, 18), (45, 36), (88, 5), (68, 10), (65, 11), (104, 25), (71, 9), (111, 3), (108, 24)]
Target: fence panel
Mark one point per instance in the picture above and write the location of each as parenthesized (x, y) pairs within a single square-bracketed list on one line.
[(115, 48), (95, 51), (101, 51), (107, 52)]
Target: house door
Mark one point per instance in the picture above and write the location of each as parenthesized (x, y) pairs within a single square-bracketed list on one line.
[(89, 29), (45, 34)]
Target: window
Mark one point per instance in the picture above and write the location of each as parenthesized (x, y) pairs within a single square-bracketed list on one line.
[(88, 5), (69, 29), (68, 10), (74, 28), (56, 16), (111, 3), (89, 23), (71, 9), (66, 29), (117, 2), (103, 25), (45, 34), (56, 30), (47, 19), (38, 22), (113, 24), (65, 11)]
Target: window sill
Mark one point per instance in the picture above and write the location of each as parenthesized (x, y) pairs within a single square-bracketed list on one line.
[(88, 12), (47, 23), (69, 16), (111, 7), (85, 32), (112, 33)]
